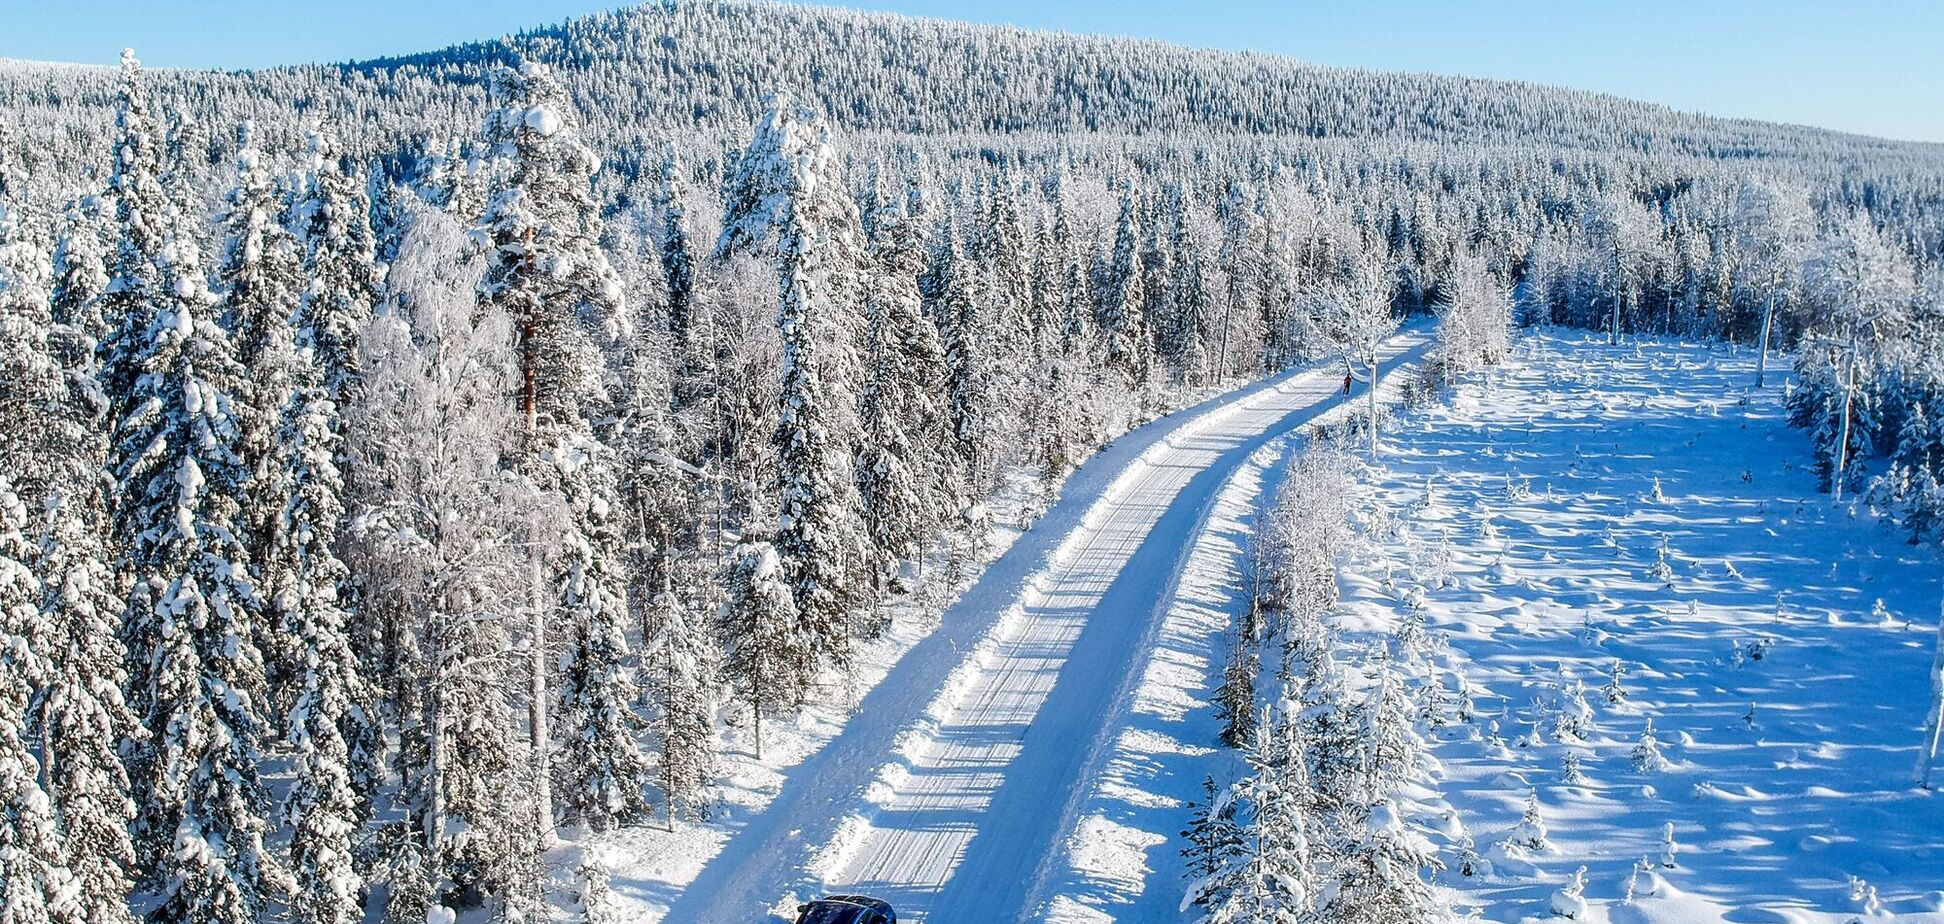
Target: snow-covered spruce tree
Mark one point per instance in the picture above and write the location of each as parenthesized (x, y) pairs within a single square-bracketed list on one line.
[(435, 533), (1194, 304), (1390, 735), (81, 271), (329, 725), (1332, 729), (677, 257), (332, 220), (967, 357), (81, 716), (1272, 877), (145, 223), (1214, 840), (258, 280), (1122, 303), (188, 625), (36, 885), (769, 657), (788, 185), (1235, 700), (195, 674), (30, 380), (680, 659), (547, 271), (907, 475), (1384, 875)]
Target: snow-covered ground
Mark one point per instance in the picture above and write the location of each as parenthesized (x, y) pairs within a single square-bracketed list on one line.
[(1778, 643), (946, 788), (1118, 857)]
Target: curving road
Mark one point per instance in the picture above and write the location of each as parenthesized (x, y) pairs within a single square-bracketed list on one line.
[(951, 787)]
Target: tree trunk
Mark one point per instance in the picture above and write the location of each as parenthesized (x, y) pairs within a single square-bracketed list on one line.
[(1934, 725), (538, 731), (1761, 359), (1842, 441), (1373, 403), (1613, 331)]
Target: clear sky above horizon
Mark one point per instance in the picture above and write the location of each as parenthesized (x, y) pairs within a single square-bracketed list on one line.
[(1869, 66)]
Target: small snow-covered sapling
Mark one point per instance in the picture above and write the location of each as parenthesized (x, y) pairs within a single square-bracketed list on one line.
[(1647, 756), (1530, 833), (1662, 571), (1642, 881), (1865, 896), (1668, 846), (1468, 862), (1570, 900), (1615, 694), (1570, 773)]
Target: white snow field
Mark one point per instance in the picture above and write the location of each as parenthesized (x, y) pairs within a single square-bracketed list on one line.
[(946, 792), (1778, 643)]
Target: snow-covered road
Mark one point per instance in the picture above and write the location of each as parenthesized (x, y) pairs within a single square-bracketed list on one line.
[(949, 789)]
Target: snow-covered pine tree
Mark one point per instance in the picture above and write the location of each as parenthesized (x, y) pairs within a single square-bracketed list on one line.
[(788, 185), (548, 272), (768, 657), (36, 885)]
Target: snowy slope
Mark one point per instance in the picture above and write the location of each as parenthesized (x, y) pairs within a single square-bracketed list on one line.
[(1778, 643), (945, 790)]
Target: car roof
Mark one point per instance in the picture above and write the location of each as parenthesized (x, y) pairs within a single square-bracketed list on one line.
[(865, 901)]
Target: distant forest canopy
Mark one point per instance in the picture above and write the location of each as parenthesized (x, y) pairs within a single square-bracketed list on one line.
[(695, 74)]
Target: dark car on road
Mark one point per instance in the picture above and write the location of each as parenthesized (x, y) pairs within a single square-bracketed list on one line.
[(846, 909)]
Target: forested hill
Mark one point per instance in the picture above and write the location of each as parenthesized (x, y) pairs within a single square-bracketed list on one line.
[(700, 69)]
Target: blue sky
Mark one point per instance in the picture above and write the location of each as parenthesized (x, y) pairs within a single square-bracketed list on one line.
[(1871, 66)]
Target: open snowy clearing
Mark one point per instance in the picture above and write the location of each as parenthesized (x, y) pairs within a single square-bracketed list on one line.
[(1778, 643), (943, 792)]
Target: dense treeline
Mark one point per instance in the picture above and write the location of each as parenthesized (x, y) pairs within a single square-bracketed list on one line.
[(383, 488)]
